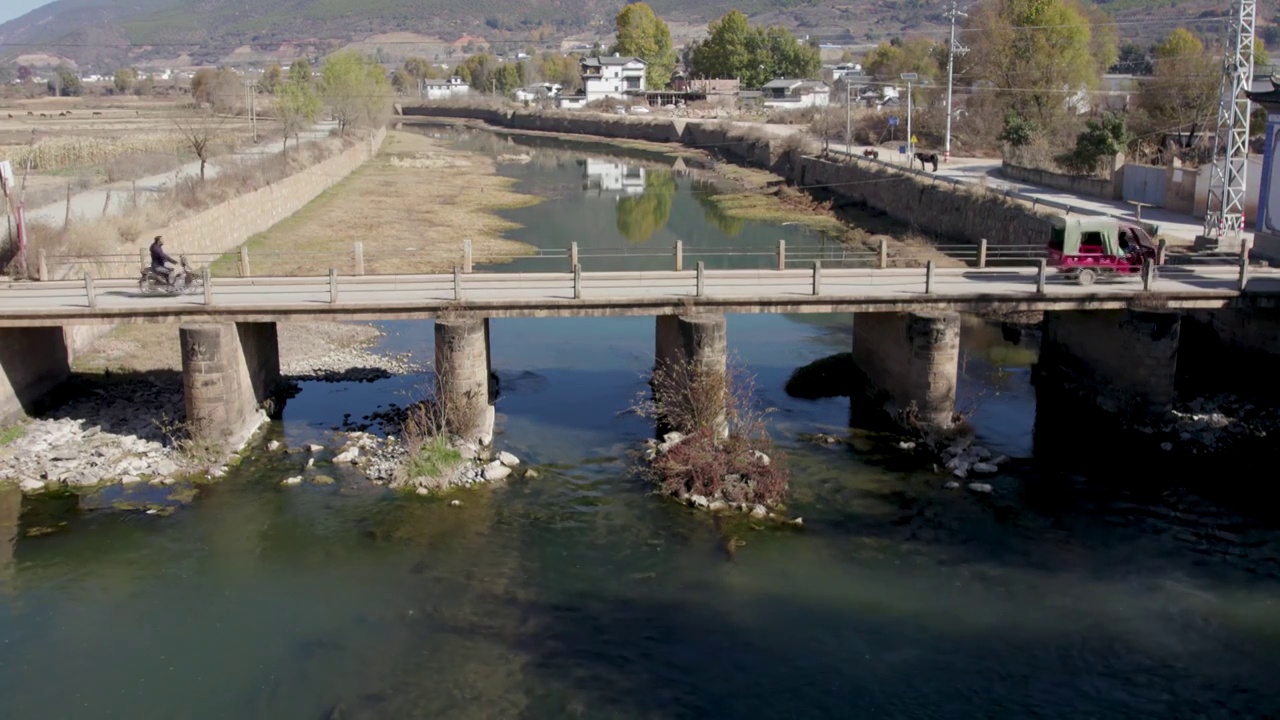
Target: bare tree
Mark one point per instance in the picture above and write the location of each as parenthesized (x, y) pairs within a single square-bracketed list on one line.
[(201, 133)]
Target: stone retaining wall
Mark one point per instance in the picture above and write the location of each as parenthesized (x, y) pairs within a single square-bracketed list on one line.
[(956, 214)]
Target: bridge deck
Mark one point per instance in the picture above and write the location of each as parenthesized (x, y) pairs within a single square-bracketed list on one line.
[(625, 293)]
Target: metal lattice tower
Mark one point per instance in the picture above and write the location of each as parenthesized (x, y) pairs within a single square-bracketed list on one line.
[(1224, 219)]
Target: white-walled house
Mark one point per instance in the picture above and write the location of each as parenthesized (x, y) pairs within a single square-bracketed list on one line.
[(604, 176), (538, 91), (786, 93), (444, 89), (612, 77)]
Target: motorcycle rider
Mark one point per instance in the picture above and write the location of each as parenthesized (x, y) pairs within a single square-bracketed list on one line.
[(160, 261)]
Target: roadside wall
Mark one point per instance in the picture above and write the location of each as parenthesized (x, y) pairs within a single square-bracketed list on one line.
[(957, 214), (1017, 164)]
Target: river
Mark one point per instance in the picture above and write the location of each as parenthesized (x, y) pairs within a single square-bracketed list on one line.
[(581, 595)]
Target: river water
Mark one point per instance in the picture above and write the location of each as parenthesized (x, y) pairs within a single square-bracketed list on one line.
[(580, 595)]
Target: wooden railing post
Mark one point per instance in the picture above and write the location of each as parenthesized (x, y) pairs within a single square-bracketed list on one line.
[(1162, 251), (466, 257), (884, 253), (701, 287), (782, 254), (577, 282), (244, 262), (207, 277), (359, 257), (88, 290), (42, 269), (982, 253), (817, 277), (679, 255), (1041, 272), (573, 254), (1148, 273), (1244, 266), (928, 277), (333, 285), (457, 283), (144, 257)]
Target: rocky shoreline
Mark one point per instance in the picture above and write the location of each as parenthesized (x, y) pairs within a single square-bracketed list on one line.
[(126, 428)]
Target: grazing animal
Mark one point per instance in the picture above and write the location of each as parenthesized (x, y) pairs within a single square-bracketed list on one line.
[(871, 153), (928, 157), (10, 116), (62, 114), (43, 115), (30, 113), (95, 112)]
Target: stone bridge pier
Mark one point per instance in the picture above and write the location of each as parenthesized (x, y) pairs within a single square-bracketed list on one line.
[(910, 362), (1122, 362), (33, 361), (462, 377), (692, 349), (230, 372)]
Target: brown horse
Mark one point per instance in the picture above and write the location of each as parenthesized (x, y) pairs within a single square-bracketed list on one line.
[(928, 157)]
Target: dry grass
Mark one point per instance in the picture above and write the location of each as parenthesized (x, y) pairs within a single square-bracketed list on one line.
[(411, 206)]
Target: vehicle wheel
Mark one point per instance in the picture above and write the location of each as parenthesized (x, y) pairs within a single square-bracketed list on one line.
[(172, 289), (144, 287), (1086, 276)]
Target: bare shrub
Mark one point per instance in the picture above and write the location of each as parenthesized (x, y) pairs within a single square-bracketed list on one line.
[(139, 165), (727, 454)]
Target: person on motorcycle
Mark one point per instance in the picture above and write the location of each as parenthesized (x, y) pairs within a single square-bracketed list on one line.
[(160, 261)]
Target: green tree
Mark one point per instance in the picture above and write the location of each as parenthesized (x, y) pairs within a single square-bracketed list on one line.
[(144, 87), (355, 89), (300, 70), (478, 71), (639, 217), (888, 60), (562, 69), (124, 80), (734, 49), (272, 76), (421, 69), (642, 34), (296, 106), (65, 82), (507, 78), (1100, 141), (1182, 93), (705, 193), (1261, 58), (1036, 53)]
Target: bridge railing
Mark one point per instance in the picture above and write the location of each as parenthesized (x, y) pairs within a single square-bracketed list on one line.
[(816, 280)]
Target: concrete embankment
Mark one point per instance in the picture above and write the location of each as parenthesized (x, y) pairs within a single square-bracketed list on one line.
[(953, 214)]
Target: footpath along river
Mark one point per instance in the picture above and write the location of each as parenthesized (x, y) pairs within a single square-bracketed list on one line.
[(580, 595)]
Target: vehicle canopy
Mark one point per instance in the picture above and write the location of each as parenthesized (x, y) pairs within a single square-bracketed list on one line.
[(1096, 235)]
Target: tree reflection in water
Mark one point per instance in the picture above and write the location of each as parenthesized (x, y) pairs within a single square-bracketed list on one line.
[(704, 192), (641, 216)]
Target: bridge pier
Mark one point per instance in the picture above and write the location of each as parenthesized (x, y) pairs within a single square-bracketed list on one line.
[(1230, 350), (1123, 362), (33, 361), (692, 349), (910, 361), (462, 377), (229, 371)]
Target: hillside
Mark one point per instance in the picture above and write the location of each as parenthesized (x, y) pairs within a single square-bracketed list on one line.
[(104, 34)]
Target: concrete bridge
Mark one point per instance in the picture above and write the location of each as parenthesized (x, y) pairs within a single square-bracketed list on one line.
[(1122, 334)]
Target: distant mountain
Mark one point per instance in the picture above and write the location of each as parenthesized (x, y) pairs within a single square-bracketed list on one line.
[(104, 34)]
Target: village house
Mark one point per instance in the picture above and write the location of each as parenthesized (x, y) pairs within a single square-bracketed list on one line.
[(444, 89), (607, 77), (787, 93)]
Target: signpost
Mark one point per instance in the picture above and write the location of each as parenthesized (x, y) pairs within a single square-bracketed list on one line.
[(911, 147)]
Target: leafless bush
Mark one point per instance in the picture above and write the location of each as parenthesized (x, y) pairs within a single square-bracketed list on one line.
[(727, 454), (139, 165)]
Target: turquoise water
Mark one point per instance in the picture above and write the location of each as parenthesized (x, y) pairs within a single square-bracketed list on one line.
[(581, 595)]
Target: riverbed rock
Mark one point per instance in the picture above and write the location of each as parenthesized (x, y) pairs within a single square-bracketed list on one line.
[(130, 480), (347, 456), (495, 471), (983, 468), (760, 458), (323, 480), (699, 501), (273, 445), (31, 485), (508, 459), (314, 448), (531, 474), (455, 503), (718, 506), (980, 487), (952, 485), (423, 491), (906, 445), (295, 480), (759, 512)]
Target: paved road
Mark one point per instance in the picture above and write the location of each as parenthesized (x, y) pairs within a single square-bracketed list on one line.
[(117, 197), (624, 293)]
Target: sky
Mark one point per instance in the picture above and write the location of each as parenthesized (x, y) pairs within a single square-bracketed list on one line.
[(16, 8)]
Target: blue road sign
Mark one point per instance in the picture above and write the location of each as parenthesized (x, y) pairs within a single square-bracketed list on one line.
[(893, 120)]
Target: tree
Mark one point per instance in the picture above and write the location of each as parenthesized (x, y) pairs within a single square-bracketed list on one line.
[(355, 89), (297, 106), (8, 73), (202, 83), (1101, 140), (477, 71), (25, 73), (124, 80), (562, 69), (300, 70), (144, 87), (65, 82), (888, 60), (420, 69), (1182, 93), (1036, 53), (734, 49), (639, 217), (1133, 59), (642, 34), (201, 133), (272, 76), (1261, 58)]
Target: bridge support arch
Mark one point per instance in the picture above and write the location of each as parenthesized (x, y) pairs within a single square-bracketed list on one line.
[(229, 373), (462, 377), (33, 361), (910, 362), (692, 349)]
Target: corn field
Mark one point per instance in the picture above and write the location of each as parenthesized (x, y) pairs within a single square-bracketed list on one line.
[(71, 151)]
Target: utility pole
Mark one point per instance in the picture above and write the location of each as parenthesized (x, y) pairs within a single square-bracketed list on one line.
[(848, 115), (250, 101), (911, 138), (1224, 215), (952, 51)]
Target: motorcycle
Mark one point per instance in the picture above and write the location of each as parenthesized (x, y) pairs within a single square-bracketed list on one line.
[(184, 280)]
